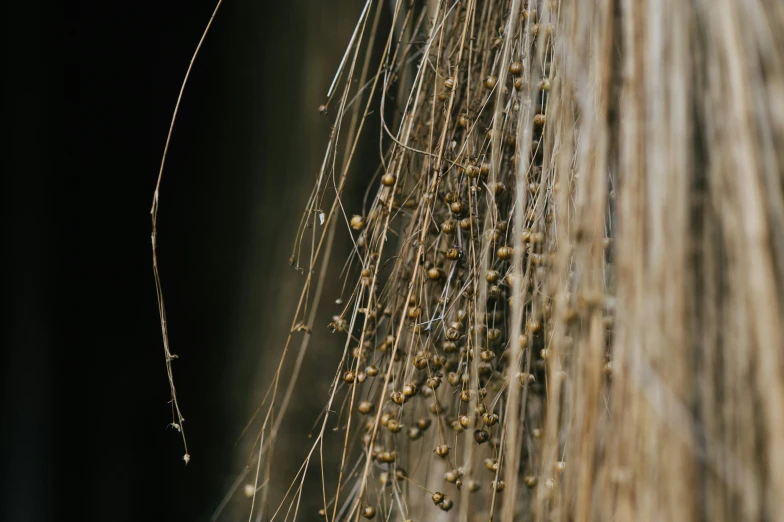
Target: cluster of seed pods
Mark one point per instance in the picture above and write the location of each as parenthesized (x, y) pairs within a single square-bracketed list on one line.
[(452, 314)]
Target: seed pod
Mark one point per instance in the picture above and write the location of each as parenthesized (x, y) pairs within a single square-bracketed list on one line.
[(394, 426), (423, 423), (398, 398), (357, 222), (420, 362), (435, 274), (489, 419)]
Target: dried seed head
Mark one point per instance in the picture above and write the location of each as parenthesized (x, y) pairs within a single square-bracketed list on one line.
[(423, 423), (420, 361), (504, 253), (516, 68), (493, 334), (442, 450), (388, 456), (394, 426), (409, 390), (398, 398), (526, 378), (481, 436), (435, 274), (357, 222), (489, 419), (368, 512), (491, 81), (365, 407)]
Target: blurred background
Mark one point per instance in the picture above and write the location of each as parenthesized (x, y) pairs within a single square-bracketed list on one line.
[(85, 393)]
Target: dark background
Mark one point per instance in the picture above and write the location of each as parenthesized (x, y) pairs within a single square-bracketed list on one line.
[(90, 90)]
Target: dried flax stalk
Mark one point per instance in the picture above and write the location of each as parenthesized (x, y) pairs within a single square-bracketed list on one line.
[(564, 298)]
